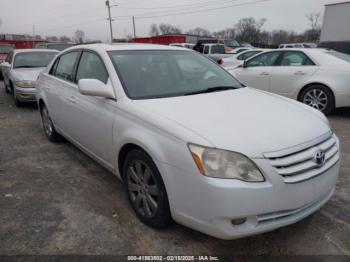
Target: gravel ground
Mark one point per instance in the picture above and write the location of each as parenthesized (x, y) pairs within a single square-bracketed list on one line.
[(56, 200)]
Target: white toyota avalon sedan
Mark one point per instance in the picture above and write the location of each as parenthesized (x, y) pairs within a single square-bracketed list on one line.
[(317, 77), (187, 140)]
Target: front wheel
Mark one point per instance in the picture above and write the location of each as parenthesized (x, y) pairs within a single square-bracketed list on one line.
[(318, 97), (49, 128), (145, 189)]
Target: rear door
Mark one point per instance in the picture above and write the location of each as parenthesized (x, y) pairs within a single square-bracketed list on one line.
[(293, 69), (257, 72), (89, 119), (57, 86)]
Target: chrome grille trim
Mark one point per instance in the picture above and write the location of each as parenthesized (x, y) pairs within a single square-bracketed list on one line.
[(300, 166), (294, 149)]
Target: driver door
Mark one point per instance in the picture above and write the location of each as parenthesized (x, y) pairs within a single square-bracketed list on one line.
[(257, 71)]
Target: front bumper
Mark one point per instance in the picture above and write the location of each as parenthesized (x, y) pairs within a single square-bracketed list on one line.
[(25, 94), (209, 205)]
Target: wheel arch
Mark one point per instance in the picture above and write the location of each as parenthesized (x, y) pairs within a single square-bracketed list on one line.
[(316, 83)]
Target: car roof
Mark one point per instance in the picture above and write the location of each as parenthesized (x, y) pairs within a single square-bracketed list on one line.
[(126, 47), (16, 51)]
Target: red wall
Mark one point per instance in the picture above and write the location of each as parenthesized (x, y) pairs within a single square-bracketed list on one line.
[(22, 44), (163, 40)]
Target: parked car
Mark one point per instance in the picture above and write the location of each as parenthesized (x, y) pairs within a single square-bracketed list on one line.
[(188, 141), (21, 69), (298, 45), (239, 58), (240, 50), (216, 52), (247, 45), (54, 46), (5, 49), (230, 44), (317, 77), (186, 45)]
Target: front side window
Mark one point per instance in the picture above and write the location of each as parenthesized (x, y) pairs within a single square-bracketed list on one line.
[(9, 58), (266, 59), (247, 55), (33, 59), (150, 74), (295, 59), (91, 67), (65, 66)]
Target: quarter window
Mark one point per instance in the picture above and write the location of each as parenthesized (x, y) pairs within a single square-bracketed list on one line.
[(266, 59), (65, 66), (295, 59), (92, 67)]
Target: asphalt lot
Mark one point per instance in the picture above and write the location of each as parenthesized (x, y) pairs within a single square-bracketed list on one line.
[(56, 200)]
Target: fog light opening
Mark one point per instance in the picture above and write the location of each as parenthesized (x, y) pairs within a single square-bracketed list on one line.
[(238, 221)]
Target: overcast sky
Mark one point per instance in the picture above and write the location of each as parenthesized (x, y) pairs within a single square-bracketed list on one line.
[(64, 17)]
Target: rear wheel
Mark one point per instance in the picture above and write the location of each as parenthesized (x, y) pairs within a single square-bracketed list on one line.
[(145, 189), (319, 97), (49, 128)]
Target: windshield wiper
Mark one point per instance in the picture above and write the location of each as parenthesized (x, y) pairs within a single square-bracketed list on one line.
[(211, 90)]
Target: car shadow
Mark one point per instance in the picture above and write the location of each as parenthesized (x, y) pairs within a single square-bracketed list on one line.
[(341, 112)]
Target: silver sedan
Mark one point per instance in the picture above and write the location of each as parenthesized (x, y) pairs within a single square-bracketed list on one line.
[(21, 69)]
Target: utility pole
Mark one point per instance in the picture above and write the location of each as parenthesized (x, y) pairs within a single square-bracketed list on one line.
[(133, 22), (110, 19)]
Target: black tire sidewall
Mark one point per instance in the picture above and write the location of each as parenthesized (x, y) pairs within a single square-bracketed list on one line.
[(327, 91), (54, 137), (163, 217)]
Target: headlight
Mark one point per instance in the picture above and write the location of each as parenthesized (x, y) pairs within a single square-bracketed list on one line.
[(219, 163), (25, 84)]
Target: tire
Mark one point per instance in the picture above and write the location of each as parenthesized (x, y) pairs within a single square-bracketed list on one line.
[(48, 126), (145, 190), (17, 102), (319, 97), (7, 90)]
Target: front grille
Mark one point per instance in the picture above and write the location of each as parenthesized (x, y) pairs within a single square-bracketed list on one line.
[(300, 166)]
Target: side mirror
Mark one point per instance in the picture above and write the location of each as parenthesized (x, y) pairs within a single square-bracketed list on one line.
[(94, 87)]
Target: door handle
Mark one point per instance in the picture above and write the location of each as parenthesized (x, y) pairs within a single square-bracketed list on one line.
[(300, 73), (264, 74), (72, 99)]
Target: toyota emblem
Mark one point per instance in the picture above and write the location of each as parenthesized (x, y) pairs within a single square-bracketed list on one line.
[(320, 158)]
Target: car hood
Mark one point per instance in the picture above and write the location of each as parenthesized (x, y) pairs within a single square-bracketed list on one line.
[(30, 74), (243, 120)]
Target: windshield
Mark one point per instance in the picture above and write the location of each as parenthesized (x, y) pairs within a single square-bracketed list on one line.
[(33, 59), (342, 56), (231, 43), (163, 73), (5, 49), (59, 47), (218, 49)]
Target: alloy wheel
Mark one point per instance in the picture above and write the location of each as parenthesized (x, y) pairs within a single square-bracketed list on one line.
[(142, 188), (47, 123), (316, 98)]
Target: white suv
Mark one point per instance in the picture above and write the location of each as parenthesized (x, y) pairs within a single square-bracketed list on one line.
[(188, 141)]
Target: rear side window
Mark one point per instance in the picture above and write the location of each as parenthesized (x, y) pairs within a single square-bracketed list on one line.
[(295, 59), (92, 67), (65, 66), (206, 50)]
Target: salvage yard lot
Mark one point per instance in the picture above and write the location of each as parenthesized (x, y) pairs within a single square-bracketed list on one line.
[(56, 200)]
